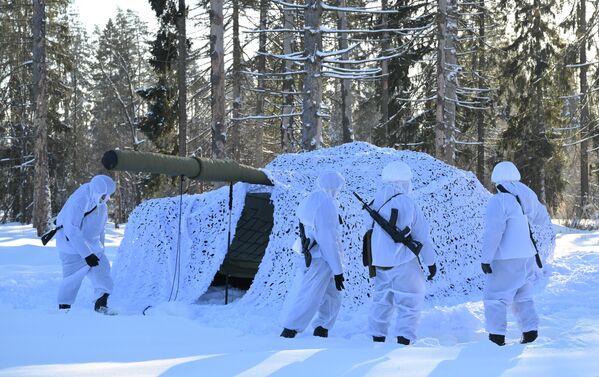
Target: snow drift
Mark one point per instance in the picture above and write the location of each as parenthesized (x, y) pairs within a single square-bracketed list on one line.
[(452, 200)]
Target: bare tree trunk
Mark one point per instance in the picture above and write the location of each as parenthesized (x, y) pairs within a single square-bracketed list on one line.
[(446, 81), (385, 79), (181, 77), (118, 216), (480, 125), (41, 181), (287, 121), (261, 60), (584, 111), (346, 91), (217, 79), (235, 130), (312, 88), (538, 128)]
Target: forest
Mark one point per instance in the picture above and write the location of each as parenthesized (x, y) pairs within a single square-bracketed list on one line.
[(470, 82)]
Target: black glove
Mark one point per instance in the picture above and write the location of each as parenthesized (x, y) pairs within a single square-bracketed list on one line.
[(92, 260), (432, 270), (339, 279), (486, 268)]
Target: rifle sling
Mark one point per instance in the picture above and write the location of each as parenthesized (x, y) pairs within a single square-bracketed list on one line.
[(381, 207), (502, 189), (49, 235)]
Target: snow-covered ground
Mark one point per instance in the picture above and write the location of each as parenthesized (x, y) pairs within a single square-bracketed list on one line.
[(209, 339)]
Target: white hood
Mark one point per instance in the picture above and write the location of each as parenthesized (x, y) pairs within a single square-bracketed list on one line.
[(82, 234)]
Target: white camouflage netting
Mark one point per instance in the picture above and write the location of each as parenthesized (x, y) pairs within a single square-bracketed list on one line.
[(452, 200)]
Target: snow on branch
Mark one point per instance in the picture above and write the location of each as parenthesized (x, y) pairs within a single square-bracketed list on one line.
[(290, 5), (352, 70), (571, 96), (261, 74), (355, 9), (580, 141), (371, 31), (268, 116), (409, 144), (324, 54), (463, 104), (432, 98), (25, 63), (465, 89), (281, 30), (296, 56), (581, 64), (26, 164), (468, 142), (337, 75), (380, 58)]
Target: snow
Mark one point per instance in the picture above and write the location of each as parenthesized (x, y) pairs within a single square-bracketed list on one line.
[(210, 339)]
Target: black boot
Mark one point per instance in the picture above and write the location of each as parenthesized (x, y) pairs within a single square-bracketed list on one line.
[(529, 336), (378, 339), (102, 303), (497, 339), (64, 306), (402, 340), (321, 331), (287, 333)]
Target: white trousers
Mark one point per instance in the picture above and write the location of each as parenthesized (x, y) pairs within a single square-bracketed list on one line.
[(314, 293), (74, 269), (402, 289), (509, 285)]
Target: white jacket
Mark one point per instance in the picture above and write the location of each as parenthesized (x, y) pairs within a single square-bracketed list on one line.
[(387, 253), (319, 212), (84, 235), (507, 233)]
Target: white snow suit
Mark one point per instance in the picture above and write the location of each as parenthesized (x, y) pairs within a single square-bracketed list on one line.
[(507, 247), (82, 235), (399, 281), (314, 290)]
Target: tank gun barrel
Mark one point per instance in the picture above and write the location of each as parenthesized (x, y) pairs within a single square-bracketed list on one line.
[(198, 168)]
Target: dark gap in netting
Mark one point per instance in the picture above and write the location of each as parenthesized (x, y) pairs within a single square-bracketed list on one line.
[(249, 244)]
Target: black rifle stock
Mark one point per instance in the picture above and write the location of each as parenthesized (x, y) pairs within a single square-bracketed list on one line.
[(398, 236)]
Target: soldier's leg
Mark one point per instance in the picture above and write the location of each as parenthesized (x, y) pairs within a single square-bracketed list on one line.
[(524, 306), (408, 290), (74, 270), (382, 304), (330, 305), (307, 296), (100, 277), (499, 293)]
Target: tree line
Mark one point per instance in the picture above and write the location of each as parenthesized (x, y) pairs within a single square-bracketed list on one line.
[(470, 82)]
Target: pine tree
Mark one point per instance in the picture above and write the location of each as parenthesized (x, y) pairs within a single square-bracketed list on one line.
[(159, 123), (41, 182), (530, 97)]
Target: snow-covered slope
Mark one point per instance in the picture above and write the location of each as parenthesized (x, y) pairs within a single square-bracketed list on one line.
[(452, 200)]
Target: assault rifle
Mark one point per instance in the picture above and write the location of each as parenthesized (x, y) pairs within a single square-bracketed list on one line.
[(306, 247), (398, 236)]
